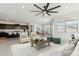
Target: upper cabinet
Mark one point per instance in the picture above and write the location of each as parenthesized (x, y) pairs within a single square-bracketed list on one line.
[(13, 26)]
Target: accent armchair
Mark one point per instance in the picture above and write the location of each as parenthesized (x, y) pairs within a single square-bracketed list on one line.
[(24, 37)]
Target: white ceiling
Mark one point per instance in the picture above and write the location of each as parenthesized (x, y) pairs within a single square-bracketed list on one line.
[(15, 13)]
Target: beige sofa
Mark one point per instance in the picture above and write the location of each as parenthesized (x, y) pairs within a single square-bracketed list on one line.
[(68, 49), (76, 50)]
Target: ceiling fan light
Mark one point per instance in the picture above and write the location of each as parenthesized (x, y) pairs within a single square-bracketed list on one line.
[(44, 12), (23, 7), (45, 9)]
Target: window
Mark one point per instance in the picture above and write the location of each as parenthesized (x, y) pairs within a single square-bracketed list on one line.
[(71, 25), (61, 26)]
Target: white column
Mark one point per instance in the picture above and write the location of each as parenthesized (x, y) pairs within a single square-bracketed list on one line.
[(29, 29)]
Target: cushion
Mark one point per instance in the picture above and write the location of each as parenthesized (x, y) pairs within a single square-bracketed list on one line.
[(23, 35), (57, 40), (54, 39)]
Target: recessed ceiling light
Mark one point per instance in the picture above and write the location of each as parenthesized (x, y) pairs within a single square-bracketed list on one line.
[(23, 6), (66, 7), (7, 19)]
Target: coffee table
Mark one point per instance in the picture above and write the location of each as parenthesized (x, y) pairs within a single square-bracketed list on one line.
[(38, 43)]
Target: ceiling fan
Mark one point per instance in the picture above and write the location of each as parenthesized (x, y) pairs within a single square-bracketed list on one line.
[(45, 9)]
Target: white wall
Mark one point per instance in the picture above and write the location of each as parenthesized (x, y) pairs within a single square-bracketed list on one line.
[(66, 36)]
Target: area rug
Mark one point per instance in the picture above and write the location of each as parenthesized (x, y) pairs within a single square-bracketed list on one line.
[(27, 50)]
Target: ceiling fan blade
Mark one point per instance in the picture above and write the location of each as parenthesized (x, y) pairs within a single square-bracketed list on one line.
[(52, 11), (54, 7), (47, 6), (43, 14), (48, 14), (38, 14), (38, 7), (35, 11)]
